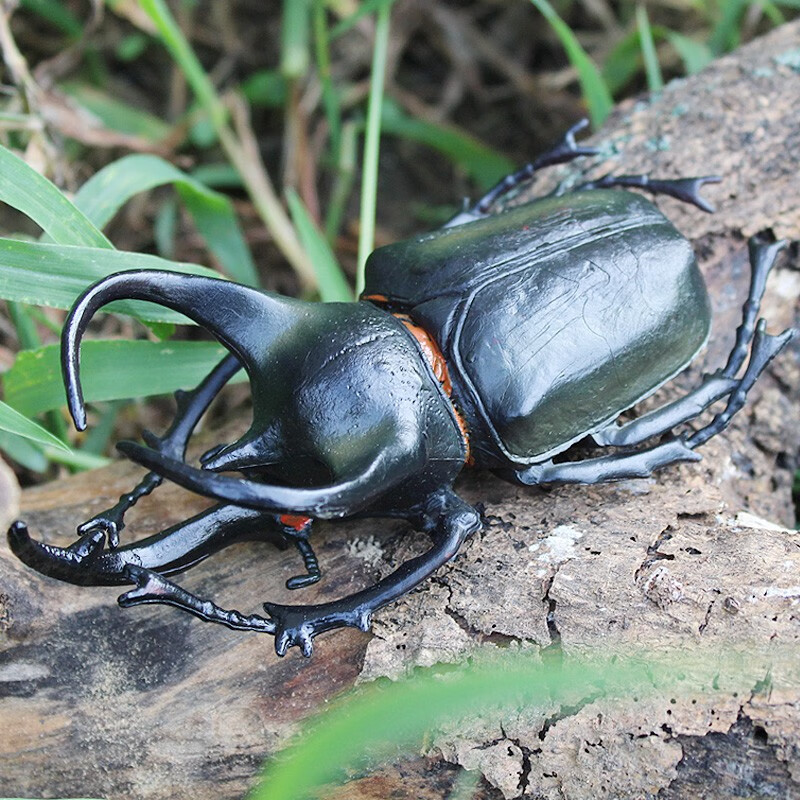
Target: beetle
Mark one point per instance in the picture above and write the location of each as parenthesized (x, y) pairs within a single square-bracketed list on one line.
[(497, 341)]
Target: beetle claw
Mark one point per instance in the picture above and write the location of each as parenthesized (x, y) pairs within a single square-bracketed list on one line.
[(105, 523), (150, 586)]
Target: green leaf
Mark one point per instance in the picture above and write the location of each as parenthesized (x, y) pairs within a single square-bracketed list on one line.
[(23, 451), (116, 115), (623, 62), (53, 275), (111, 370), (695, 55), (725, 35), (57, 14), (130, 47), (217, 175), (266, 88), (106, 191), (14, 422), (23, 188), (485, 165), (333, 286), (595, 92)]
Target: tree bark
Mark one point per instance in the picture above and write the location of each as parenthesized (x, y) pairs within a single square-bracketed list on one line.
[(149, 703)]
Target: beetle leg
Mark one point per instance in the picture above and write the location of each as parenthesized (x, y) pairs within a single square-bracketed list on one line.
[(297, 528), (154, 588), (685, 189), (191, 407), (565, 150), (765, 348), (451, 521), (616, 467), (719, 385), (174, 549)]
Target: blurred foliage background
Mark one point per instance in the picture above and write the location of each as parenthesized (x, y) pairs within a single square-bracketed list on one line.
[(243, 136)]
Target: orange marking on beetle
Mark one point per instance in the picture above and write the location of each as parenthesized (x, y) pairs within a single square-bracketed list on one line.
[(295, 521), (375, 298), (438, 364)]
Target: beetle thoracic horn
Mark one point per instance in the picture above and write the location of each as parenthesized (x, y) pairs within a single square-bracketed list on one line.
[(214, 304)]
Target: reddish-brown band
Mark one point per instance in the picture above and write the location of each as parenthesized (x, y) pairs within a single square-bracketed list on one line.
[(439, 366)]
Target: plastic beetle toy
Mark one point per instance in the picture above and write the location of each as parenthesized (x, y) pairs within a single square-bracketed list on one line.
[(496, 341)]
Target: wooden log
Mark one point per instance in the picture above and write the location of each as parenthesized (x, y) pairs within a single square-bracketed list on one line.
[(149, 703)]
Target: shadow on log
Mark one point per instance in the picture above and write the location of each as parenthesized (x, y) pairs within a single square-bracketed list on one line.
[(97, 701)]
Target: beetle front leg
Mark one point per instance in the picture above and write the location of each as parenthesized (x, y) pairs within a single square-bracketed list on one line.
[(450, 520), (685, 189), (191, 407), (154, 588), (566, 150), (86, 562)]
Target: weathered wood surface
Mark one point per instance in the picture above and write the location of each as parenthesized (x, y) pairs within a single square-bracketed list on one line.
[(148, 703)]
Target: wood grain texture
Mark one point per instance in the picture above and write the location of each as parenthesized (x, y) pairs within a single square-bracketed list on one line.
[(148, 703)]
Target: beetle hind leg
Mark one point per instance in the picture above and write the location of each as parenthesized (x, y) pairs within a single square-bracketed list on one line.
[(719, 385), (641, 463)]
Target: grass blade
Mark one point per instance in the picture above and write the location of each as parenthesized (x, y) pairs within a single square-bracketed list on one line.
[(343, 180), (364, 9), (34, 383), (333, 286), (190, 65), (56, 13), (106, 191), (295, 38), (244, 155), (53, 275), (652, 69), (330, 97), (23, 188), (23, 451), (595, 92), (14, 422), (369, 181), (485, 165), (725, 35), (379, 719)]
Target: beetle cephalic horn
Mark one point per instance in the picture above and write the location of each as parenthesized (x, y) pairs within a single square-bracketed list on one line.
[(243, 319), (328, 502)]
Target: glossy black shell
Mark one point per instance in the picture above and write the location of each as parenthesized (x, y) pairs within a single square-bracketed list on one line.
[(553, 317)]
